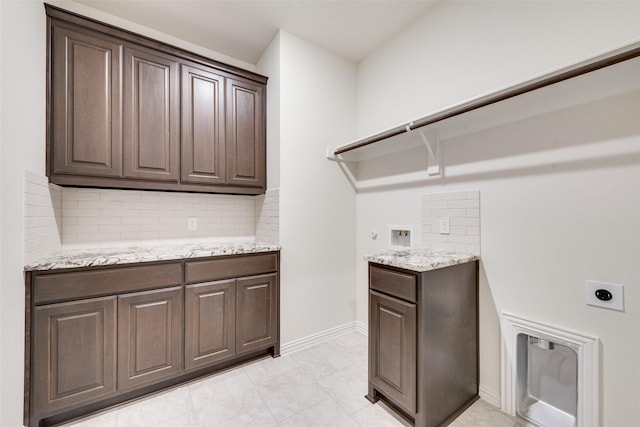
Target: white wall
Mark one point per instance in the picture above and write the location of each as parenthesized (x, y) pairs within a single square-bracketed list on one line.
[(558, 192), (22, 60), (269, 65), (99, 15), (317, 210)]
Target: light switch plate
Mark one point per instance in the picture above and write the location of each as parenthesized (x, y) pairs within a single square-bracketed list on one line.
[(444, 225), (617, 295)]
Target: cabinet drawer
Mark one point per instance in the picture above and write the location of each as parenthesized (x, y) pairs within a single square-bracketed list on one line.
[(226, 268), (391, 282), (49, 288)]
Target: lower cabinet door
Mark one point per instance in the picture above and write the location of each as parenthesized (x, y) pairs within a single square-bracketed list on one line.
[(256, 305), (392, 349), (74, 348), (209, 323), (149, 336)]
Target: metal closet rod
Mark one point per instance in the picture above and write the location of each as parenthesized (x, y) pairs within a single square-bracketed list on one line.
[(611, 58)]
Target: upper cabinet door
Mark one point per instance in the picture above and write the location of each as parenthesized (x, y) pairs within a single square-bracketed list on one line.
[(86, 119), (203, 149), (246, 145), (151, 116)]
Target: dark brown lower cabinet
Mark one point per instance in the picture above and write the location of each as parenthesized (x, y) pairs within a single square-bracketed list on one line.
[(149, 336), (423, 341), (97, 337), (210, 330), (393, 355), (256, 312), (74, 349)]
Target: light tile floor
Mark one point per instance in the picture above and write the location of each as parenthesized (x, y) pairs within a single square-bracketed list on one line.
[(321, 386)]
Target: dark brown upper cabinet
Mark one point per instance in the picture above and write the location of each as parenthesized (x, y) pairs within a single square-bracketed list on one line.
[(85, 112), (126, 111), (203, 118), (245, 133), (151, 116)]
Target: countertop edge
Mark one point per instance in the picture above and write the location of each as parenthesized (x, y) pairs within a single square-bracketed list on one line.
[(135, 255), (421, 260)]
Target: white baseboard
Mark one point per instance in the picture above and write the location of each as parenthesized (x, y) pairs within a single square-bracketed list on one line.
[(489, 395), (362, 328), (320, 337)]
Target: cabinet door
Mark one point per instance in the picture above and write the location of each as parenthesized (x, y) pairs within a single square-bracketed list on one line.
[(256, 305), (392, 348), (86, 119), (203, 149), (151, 116), (246, 141), (74, 353), (209, 323), (149, 336)]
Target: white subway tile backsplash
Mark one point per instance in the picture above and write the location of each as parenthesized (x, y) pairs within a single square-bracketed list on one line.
[(463, 210), (268, 217), (128, 215), (58, 218), (43, 221)]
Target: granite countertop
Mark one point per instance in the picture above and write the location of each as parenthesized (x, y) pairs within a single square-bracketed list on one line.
[(146, 253), (421, 259)]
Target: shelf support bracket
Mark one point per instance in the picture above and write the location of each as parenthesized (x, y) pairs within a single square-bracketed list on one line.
[(431, 141), (334, 157)]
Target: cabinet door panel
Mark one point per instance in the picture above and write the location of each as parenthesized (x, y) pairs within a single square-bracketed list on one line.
[(86, 117), (246, 156), (151, 116), (203, 149), (74, 353), (209, 323), (392, 364), (149, 336), (256, 306)]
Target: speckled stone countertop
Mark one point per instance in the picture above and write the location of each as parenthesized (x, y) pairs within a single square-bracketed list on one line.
[(146, 253), (421, 259)]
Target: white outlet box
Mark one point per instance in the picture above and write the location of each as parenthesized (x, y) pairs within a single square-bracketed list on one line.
[(400, 237), (616, 292), (192, 224), (444, 225)]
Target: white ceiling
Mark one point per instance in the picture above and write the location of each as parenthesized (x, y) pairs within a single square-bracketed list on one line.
[(244, 28)]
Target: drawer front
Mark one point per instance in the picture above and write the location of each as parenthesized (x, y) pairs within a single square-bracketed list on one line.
[(226, 268), (84, 284), (391, 282)]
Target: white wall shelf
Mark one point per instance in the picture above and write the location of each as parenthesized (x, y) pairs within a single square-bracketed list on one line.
[(613, 73)]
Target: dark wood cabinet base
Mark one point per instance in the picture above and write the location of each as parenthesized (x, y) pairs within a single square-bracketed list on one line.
[(97, 337), (423, 341)]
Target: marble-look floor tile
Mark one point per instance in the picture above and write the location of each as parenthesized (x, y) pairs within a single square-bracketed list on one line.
[(482, 414), (266, 370), (291, 393), (324, 414), (348, 387), (323, 359), (379, 415), (228, 398), (163, 410), (321, 386)]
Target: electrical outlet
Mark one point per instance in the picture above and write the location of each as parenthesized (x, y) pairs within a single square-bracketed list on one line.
[(601, 294), (192, 223), (444, 225)]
